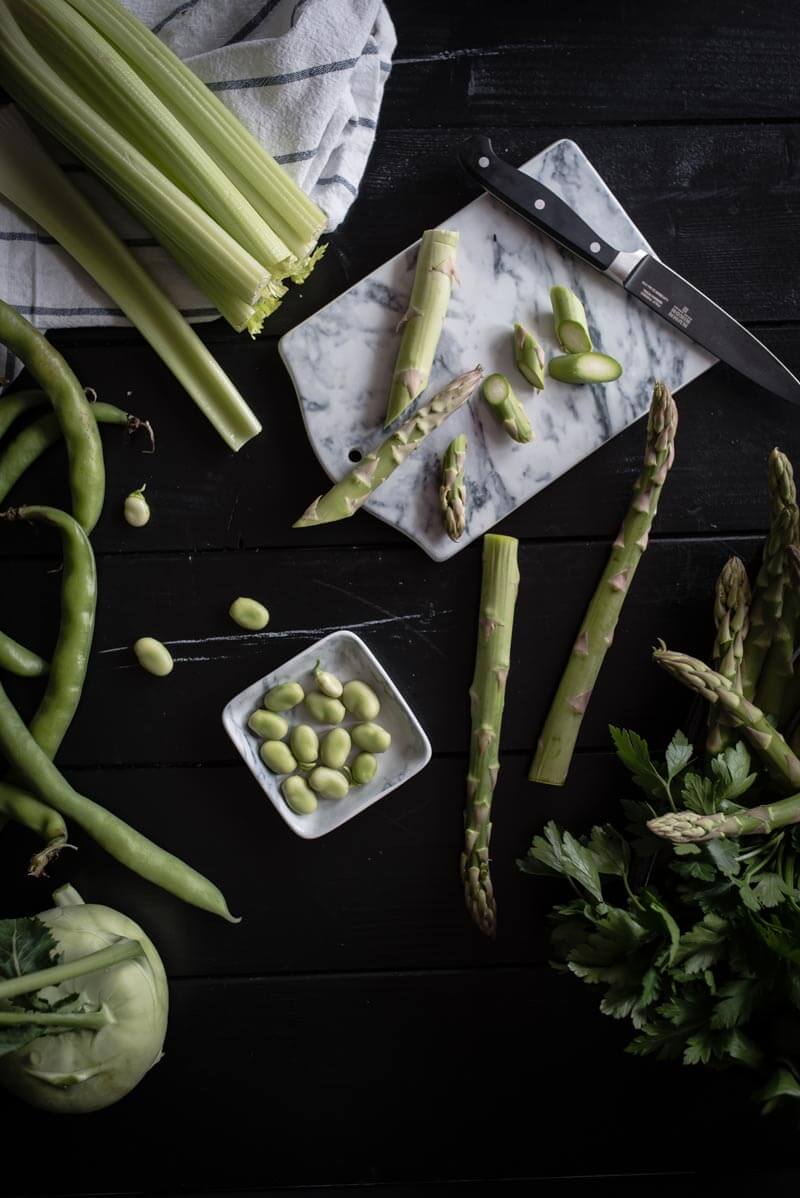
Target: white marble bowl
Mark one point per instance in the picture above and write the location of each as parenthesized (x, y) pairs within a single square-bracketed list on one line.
[(346, 655)]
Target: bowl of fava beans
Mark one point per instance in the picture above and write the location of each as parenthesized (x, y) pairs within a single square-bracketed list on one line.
[(327, 734)]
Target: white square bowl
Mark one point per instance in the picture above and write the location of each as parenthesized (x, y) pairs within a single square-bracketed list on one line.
[(346, 656)]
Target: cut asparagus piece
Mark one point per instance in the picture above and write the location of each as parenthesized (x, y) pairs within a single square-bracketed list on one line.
[(569, 317), (767, 604), (731, 618), (453, 491), (499, 586), (422, 323), (585, 368), (688, 827), (347, 496), (529, 356), (507, 409), (557, 741), (766, 739)]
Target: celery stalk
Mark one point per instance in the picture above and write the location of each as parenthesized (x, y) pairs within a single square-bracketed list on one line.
[(295, 217), (105, 81), (208, 251), (34, 184)]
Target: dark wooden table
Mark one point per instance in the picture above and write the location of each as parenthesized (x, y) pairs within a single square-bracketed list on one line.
[(356, 1029)]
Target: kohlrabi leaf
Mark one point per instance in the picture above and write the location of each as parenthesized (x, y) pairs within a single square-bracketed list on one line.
[(26, 946)]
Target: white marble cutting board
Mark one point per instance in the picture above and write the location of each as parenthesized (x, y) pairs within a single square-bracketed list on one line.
[(341, 358)]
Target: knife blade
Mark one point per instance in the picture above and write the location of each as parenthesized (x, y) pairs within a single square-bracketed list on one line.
[(643, 277)]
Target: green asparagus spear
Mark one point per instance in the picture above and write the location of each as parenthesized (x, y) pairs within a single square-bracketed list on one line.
[(453, 491), (499, 586), (778, 669), (731, 618), (569, 317), (499, 394), (766, 607), (347, 496), (529, 356), (422, 323), (557, 741), (687, 827), (766, 739)]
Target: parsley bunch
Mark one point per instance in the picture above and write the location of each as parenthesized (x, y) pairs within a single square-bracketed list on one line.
[(697, 944)]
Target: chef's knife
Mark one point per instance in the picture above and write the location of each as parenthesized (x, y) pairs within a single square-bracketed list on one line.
[(644, 277)]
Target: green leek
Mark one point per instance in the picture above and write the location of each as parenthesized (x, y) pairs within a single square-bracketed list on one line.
[(34, 184)]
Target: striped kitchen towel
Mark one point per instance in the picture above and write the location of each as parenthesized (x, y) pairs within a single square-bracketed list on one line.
[(305, 76)]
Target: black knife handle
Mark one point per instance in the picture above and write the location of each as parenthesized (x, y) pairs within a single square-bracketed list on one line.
[(535, 202)]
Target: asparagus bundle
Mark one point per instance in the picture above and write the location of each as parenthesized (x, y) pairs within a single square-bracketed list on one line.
[(422, 323), (453, 491), (767, 604), (731, 618), (557, 741), (499, 586), (347, 496), (764, 737)]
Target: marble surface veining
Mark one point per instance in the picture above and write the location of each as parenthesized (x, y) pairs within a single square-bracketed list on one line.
[(341, 358)]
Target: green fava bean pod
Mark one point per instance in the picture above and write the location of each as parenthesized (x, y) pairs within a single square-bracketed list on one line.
[(331, 784), (327, 684), (153, 656), (81, 436), (324, 710), (12, 406), (20, 661), (371, 738), (249, 613), (277, 756), (299, 795), (335, 748), (364, 768), (284, 696), (268, 724), (304, 744), (361, 700)]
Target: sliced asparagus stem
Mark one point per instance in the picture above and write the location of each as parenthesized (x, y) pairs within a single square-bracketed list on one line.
[(778, 670), (731, 618), (529, 356), (557, 741), (687, 827), (453, 491), (499, 586), (507, 409), (104, 958), (585, 368), (766, 606), (347, 496), (569, 317), (422, 323), (766, 739)]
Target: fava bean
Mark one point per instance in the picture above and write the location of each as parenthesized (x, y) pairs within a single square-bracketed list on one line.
[(249, 613), (329, 783), (305, 744), (328, 684), (364, 768), (136, 509), (153, 656), (268, 724), (299, 796), (371, 737), (335, 748), (277, 756), (361, 700), (323, 709), (283, 697)]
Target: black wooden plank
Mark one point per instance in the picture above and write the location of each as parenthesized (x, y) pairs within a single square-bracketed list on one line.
[(418, 616), (394, 1077), (382, 892), (600, 62)]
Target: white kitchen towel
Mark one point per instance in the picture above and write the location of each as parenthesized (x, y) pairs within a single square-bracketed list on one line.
[(305, 76)]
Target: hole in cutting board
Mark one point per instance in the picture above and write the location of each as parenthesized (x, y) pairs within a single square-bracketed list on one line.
[(355, 455)]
